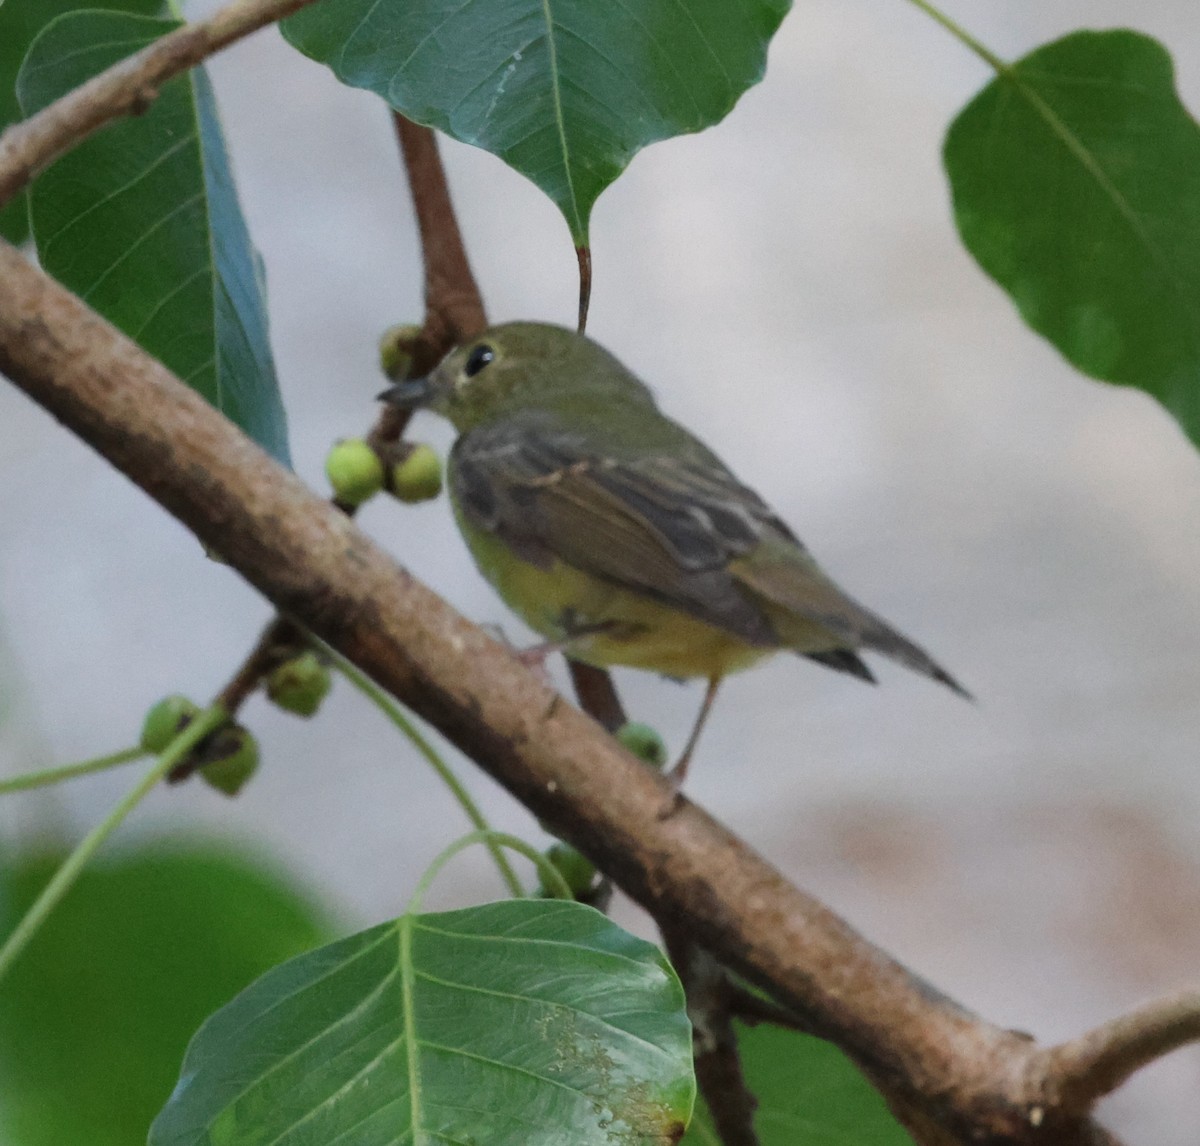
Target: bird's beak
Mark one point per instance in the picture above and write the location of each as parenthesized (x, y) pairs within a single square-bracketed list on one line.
[(411, 394)]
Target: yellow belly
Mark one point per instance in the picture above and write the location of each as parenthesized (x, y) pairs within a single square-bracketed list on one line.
[(639, 631)]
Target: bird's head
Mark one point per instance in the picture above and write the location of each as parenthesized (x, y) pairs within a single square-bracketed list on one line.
[(517, 366)]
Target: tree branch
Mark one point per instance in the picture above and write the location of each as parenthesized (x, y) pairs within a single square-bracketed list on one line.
[(950, 1076), (125, 89), (452, 297), (719, 1075), (1093, 1065)]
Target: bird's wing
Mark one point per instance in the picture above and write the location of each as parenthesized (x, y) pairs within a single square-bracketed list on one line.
[(657, 523)]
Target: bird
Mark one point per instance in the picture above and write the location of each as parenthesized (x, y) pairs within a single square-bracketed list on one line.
[(616, 534)]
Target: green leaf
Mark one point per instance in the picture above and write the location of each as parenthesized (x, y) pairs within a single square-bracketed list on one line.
[(20, 21), (14, 219), (1076, 183), (143, 222), (97, 1012), (526, 1023), (564, 91), (808, 1092)]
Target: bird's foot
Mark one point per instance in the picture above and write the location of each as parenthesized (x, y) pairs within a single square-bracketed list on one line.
[(674, 797), (535, 657)]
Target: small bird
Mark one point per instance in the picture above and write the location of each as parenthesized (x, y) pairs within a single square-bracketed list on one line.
[(619, 536)]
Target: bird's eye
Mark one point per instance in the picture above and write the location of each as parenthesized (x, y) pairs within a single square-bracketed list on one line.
[(479, 357)]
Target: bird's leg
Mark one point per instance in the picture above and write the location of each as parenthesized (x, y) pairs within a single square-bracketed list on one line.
[(573, 628), (678, 772), (535, 656)]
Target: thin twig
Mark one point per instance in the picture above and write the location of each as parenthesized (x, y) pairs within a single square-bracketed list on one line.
[(432, 757), (48, 776), (719, 1075), (1093, 1065), (280, 640), (125, 89), (453, 304), (72, 867)]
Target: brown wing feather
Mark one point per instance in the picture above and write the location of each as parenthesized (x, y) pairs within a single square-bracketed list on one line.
[(641, 526)]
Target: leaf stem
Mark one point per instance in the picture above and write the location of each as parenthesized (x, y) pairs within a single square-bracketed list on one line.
[(384, 702), (63, 879), (962, 36), (57, 775), (584, 254), (551, 877)]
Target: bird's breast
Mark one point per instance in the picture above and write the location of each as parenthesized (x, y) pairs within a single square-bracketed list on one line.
[(605, 624)]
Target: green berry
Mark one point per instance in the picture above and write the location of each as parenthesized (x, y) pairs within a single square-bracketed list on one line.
[(395, 350), (644, 742), (419, 476), (354, 470), (576, 869), (299, 685), (236, 759), (166, 720)]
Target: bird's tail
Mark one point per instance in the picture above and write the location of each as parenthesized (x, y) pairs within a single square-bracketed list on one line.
[(874, 633), (805, 605)]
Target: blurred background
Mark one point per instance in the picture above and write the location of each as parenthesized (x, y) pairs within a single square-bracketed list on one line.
[(791, 285)]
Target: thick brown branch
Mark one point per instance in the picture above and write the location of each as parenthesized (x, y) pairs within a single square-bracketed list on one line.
[(1087, 1068), (125, 89), (951, 1076)]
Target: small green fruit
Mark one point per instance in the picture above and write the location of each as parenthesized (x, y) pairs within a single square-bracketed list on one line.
[(576, 869), (644, 742), (236, 762), (419, 476), (395, 353), (299, 685), (166, 720), (354, 470)]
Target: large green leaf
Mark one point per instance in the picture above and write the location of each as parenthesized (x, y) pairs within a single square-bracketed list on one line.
[(143, 222), (1076, 181), (20, 21), (97, 1012), (565, 91), (14, 221), (808, 1092), (526, 1023)]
